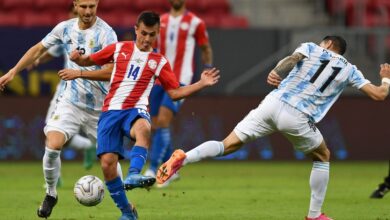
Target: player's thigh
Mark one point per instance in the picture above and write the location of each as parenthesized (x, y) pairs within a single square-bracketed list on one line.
[(65, 119), (89, 125), (298, 129), (137, 126), (259, 122), (109, 133)]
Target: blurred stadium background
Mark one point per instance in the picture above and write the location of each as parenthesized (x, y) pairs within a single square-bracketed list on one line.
[(248, 38)]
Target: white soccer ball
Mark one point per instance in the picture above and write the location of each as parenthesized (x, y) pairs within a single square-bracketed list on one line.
[(89, 190)]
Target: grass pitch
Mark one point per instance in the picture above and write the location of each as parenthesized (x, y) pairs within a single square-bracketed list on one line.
[(207, 191)]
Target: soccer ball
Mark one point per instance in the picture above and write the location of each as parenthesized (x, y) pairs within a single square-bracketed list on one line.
[(89, 190)]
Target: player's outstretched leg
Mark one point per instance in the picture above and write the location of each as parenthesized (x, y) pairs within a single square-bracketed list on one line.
[(47, 206), (170, 167)]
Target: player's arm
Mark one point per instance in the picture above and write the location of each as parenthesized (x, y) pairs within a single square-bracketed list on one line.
[(208, 78), (207, 55), (81, 60), (28, 58), (283, 68), (379, 93), (103, 74)]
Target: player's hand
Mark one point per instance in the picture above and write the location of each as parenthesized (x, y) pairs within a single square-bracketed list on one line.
[(75, 55), (385, 70), (69, 74), (274, 79), (210, 77), (6, 78)]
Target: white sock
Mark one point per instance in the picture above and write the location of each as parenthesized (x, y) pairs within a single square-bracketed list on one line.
[(318, 183), (80, 142), (51, 170), (119, 170), (206, 150)]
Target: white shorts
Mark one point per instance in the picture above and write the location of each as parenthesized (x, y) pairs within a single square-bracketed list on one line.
[(70, 120), (274, 115)]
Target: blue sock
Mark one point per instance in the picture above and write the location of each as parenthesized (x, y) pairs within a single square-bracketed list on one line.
[(161, 144), (138, 157), (117, 193)]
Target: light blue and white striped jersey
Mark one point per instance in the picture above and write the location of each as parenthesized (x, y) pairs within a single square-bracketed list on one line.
[(86, 94), (57, 51), (317, 81)]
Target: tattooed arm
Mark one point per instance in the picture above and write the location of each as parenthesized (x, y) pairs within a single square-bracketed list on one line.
[(283, 68), (287, 64)]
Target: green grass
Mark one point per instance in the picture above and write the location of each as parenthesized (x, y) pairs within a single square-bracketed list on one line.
[(208, 191)]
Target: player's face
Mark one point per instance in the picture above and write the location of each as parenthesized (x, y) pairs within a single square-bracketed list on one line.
[(177, 4), (86, 10), (146, 36)]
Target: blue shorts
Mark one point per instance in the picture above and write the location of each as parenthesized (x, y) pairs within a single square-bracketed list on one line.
[(113, 125), (158, 97)]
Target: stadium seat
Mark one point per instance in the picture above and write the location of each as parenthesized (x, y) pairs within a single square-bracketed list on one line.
[(211, 20), (34, 19), (9, 19), (234, 22), (50, 4), (159, 6), (21, 4), (119, 19), (116, 5)]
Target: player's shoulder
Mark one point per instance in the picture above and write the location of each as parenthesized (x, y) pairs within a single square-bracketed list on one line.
[(101, 24), (193, 16)]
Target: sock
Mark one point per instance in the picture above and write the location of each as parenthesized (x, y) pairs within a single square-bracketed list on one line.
[(117, 193), (203, 151), (51, 164), (319, 178), (138, 157), (80, 142), (119, 170), (161, 143)]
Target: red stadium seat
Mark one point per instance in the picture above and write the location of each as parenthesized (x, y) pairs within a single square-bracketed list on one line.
[(116, 5), (9, 19), (51, 4), (119, 19), (208, 6), (234, 22), (21, 4), (210, 20), (159, 6), (33, 19)]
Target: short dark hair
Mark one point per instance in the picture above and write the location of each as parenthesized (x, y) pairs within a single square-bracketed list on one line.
[(338, 42), (148, 18)]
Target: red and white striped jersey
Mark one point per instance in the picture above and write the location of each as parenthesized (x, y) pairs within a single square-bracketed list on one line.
[(133, 75), (176, 42)]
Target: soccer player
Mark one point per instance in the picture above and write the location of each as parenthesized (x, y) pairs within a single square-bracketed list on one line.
[(313, 78), (125, 108), (180, 31), (383, 188), (79, 106), (78, 141)]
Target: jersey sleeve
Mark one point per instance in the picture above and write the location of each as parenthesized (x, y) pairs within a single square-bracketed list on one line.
[(305, 49), (201, 34), (55, 36), (356, 78), (56, 50), (104, 56), (167, 77)]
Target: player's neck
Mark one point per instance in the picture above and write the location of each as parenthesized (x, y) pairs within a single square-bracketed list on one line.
[(84, 26), (177, 13)]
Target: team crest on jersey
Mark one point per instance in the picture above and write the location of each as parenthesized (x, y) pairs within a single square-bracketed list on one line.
[(91, 43), (152, 64), (184, 26)]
